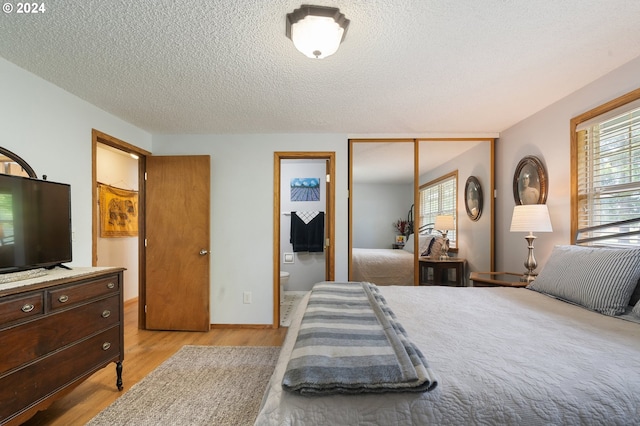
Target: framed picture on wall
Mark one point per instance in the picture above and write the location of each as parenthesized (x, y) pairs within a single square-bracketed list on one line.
[(530, 182), (305, 189)]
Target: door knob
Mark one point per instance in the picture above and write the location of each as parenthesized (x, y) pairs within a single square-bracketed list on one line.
[(203, 252)]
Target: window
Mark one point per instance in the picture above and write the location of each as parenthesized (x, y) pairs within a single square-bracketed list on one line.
[(439, 197), (606, 174)]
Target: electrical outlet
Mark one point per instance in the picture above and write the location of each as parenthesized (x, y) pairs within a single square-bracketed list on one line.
[(246, 297)]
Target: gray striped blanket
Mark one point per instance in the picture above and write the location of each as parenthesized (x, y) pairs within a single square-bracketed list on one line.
[(350, 343)]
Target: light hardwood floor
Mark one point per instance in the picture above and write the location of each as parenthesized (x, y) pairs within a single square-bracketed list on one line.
[(144, 351)]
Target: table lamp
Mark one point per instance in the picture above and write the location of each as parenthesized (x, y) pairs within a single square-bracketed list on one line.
[(530, 218), (443, 224)]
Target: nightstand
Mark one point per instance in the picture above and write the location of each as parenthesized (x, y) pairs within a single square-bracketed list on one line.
[(441, 271), (497, 279)]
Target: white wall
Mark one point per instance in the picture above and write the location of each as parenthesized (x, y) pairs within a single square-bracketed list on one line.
[(121, 171), (376, 207), (242, 214), (546, 135), (308, 268), (51, 130)]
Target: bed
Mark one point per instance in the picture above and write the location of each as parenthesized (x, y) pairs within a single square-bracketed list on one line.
[(554, 354), (387, 266)]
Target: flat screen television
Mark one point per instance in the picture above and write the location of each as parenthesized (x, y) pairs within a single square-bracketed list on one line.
[(35, 223)]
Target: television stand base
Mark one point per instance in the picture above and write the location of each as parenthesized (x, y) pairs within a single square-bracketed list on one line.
[(60, 265)]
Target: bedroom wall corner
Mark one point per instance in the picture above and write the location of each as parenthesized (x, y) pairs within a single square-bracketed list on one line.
[(546, 135)]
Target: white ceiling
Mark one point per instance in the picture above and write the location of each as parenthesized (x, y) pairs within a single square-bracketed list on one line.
[(406, 66)]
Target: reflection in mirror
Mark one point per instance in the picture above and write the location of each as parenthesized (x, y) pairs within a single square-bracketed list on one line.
[(12, 164), (444, 160), (381, 193)]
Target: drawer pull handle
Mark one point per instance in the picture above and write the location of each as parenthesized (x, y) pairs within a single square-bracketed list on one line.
[(27, 308), (106, 313), (106, 346), (64, 298), (111, 285)]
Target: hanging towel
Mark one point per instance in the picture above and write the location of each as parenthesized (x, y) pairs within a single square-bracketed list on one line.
[(307, 231)]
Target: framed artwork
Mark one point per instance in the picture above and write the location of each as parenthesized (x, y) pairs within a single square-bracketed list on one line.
[(473, 198), (305, 189), (530, 182), (118, 212)]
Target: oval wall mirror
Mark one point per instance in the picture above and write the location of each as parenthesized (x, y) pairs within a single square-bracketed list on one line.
[(473, 198)]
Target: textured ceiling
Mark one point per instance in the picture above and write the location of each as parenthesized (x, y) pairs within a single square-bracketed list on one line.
[(406, 66)]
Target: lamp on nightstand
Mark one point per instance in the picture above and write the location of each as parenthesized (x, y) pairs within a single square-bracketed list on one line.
[(530, 218), (443, 224)]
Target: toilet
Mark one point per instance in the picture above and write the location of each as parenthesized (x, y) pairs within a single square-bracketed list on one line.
[(284, 278)]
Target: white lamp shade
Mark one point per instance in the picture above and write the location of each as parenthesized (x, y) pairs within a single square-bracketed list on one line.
[(443, 223), (531, 218), (316, 31)]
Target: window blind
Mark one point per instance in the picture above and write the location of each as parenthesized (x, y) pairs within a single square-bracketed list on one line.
[(439, 198), (608, 176)]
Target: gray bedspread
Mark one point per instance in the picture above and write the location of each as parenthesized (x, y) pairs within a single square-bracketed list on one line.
[(351, 343)]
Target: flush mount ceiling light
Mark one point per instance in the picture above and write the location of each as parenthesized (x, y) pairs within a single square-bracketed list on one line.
[(317, 31)]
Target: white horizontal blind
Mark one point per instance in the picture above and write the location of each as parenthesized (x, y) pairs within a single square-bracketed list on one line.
[(609, 178), (439, 198)]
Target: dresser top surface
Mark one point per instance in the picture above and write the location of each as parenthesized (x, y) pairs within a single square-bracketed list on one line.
[(53, 275)]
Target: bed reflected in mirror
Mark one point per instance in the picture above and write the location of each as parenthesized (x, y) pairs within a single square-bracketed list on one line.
[(381, 199)]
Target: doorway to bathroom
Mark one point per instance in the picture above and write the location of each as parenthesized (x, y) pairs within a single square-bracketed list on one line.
[(304, 188)]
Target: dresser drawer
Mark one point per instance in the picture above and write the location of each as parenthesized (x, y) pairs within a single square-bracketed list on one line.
[(19, 308), (34, 339), (66, 296), (38, 380)]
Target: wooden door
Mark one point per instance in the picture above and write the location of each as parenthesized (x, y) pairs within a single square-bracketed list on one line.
[(177, 243)]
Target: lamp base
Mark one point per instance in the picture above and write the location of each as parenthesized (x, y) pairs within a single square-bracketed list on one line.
[(528, 277), (444, 250), (530, 263)]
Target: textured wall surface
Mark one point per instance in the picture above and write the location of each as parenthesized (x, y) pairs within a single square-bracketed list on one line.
[(226, 66)]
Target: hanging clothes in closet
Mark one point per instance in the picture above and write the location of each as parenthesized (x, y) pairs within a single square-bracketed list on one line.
[(307, 231)]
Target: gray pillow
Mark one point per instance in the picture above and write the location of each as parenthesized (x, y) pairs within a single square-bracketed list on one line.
[(636, 309), (599, 279)]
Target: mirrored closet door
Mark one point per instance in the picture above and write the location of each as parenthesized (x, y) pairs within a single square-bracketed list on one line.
[(398, 181)]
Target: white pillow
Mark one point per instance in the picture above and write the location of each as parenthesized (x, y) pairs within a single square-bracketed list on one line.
[(408, 245), (599, 279)]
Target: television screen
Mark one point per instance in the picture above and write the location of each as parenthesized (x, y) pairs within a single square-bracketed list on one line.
[(35, 223)]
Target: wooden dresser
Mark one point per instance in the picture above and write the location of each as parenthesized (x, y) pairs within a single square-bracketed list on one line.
[(55, 331)]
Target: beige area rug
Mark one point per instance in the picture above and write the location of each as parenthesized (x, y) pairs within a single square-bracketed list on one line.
[(198, 385)]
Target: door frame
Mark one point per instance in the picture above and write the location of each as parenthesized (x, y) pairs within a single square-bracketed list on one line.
[(330, 217), (105, 139)]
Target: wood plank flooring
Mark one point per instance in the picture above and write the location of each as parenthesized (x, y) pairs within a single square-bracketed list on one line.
[(144, 351)]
